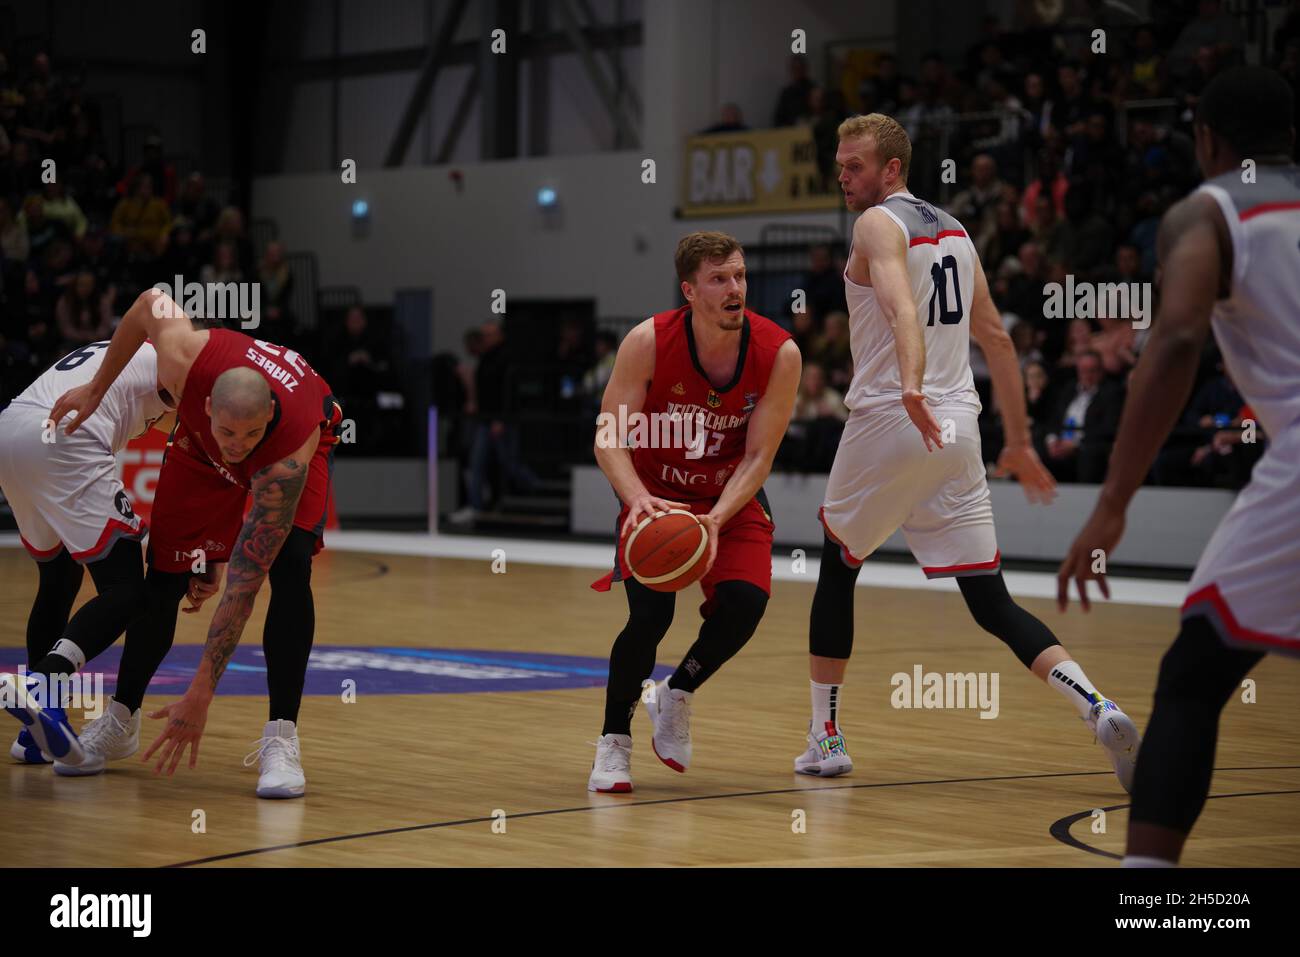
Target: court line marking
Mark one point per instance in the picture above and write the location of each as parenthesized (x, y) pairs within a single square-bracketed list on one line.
[(1061, 829), (1159, 593), (617, 804)]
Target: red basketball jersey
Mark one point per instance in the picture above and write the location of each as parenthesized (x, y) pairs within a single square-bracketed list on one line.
[(303, 401), (679, 386)]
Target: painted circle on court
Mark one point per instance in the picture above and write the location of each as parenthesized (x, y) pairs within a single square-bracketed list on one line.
[(375, 670)]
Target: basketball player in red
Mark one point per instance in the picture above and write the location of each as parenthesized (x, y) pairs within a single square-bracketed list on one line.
[(255, 417), (736, 374)]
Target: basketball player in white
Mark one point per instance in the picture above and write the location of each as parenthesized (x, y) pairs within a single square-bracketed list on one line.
[(917, 294), (73, 514), (1229, 258)]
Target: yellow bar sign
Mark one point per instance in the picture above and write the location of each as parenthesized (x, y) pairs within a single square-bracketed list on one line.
[(755, 171)]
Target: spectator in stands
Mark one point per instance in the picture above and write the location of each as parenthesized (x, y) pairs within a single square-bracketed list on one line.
[(22, 174), (1127, 267), (63, 208), (976, 206), (224, 266), (1207, 449), (1148, 73), (730, 121), (1150, 207), (359, 358), (42, 232), (141, 221), (1048, 230), (95, 257), (1083, 425), (1024, 283), (195, 205), (494, 435), (1078, 342), (803, 327), (793, 100), (1075, 105), (1050, 182), (276, 283), (230, 229), (813, 434), (1006, 238), (833, 352), (1025, 338), (596, 378), (823, 283), (1037, 393), (181, 255), (880, 92), (1214, 30), (154, 166), (83, 313), (1115, 343), (14, 245), (1038, 110), (1087, 236)]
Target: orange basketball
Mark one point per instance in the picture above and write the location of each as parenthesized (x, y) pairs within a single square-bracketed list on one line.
[(666, 551)]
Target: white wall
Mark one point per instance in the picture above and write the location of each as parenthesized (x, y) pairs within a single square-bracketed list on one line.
[(614, 237)]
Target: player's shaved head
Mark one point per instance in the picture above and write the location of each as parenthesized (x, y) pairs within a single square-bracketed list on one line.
[(241, 394)]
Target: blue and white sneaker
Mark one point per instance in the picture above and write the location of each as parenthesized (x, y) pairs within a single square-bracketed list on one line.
[(1117, 733), (25, 751), (48, 727), (827, 754)]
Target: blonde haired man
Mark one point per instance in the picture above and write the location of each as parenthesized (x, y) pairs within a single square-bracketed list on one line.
[(917, 294)]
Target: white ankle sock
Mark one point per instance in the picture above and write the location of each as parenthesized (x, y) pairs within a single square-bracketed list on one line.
[(1069, 679), (825, 706)]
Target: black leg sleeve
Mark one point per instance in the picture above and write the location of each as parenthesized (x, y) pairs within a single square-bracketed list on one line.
[(632, 659)]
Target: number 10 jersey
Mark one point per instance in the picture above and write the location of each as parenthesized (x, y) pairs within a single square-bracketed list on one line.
[(941, 264)]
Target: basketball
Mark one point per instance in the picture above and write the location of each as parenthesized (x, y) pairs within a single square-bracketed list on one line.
[(666, 551)]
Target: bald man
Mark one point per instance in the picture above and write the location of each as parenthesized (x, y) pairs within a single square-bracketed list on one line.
[(251, 417)]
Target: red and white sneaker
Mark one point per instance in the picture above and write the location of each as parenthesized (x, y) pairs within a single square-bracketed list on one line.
[(827, 755), (611, 772), (670, 716)]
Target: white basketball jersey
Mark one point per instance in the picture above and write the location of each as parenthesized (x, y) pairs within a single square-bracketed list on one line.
[(941, 264), (128, 409), (1258, 325)]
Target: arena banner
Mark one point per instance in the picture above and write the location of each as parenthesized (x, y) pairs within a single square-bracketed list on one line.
[(755, 171)]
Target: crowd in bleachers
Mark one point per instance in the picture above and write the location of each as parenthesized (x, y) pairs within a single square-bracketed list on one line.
[(1062, 173), (81, 235)]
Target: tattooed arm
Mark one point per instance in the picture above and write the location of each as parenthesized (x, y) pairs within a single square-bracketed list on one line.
[(276, 491)]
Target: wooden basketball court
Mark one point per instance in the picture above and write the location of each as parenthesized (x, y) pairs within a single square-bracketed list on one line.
[(487, 779)]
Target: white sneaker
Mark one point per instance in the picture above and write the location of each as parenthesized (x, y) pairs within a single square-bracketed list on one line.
[(112, 736), (279, 762), (670, 717), (48, 726), (827, 754), (1117, 733), (611, 771), (24, 750), (463, 516)]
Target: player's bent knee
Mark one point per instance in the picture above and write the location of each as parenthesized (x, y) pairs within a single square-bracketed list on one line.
[(745, 601), (1199, 666)]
